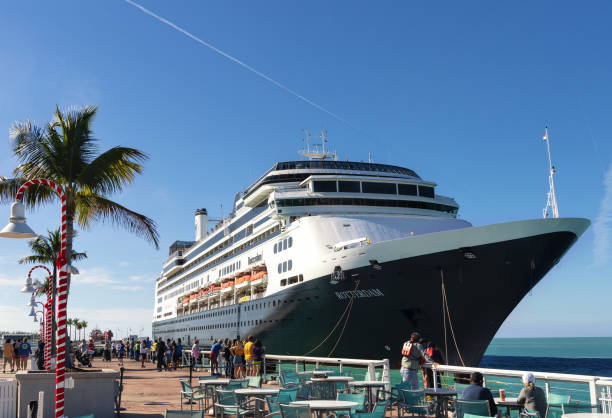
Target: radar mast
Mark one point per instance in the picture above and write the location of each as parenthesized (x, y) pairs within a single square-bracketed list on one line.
[(316, 151)]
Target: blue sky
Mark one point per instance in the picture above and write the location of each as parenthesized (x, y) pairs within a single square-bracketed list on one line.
[(458, 91)]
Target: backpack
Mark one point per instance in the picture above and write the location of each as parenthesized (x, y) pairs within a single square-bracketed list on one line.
[(407, 349)]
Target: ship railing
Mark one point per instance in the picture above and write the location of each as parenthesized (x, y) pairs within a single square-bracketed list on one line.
[(275, 362), (598, 388)]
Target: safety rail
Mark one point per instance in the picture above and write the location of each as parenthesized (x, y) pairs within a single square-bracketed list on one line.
[(593, 382), (606, 395), (371, 365)]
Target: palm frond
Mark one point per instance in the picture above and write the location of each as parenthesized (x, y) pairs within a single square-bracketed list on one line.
[(93, 207), (112, 170), (34, 195)]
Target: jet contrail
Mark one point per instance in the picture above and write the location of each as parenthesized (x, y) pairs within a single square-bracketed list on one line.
[(237, 61)]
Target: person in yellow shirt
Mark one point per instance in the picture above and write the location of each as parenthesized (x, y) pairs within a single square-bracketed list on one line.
[(248, 356), (7, 354)]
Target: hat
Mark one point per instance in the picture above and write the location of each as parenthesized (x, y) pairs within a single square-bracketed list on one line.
[(528, 378)]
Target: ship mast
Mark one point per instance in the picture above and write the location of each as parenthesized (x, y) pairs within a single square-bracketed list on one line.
[(317, 152), (552, 196)]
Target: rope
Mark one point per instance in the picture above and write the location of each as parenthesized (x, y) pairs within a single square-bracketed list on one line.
[(348, 315), (450, 322), (337, 323)]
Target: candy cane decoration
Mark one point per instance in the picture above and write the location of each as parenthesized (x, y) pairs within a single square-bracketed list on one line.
[(61, 263), (48, 316)]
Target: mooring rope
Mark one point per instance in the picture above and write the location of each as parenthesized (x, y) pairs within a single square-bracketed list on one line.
[(450, 322)]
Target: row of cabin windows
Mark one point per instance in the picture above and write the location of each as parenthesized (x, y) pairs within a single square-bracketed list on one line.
[(347, 186), (229, 269), (283, 245), (285, 266), (350, 201), (292, 280)]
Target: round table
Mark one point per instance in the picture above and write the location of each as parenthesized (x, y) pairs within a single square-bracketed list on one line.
[(369, 384), (444, 394), (319, 406), (212, 382), (333, 379), (259, 407), (508, 403)]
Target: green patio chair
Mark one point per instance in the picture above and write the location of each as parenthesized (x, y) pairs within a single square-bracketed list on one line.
[(528, 413), (304, 377), (474, 416), (413, 402), (377, 412), (183, 414), (303, 392), (237, 384), (285, 396), (295, 411), (578, 408), (254, 381), (555, 404), (323, 390), (472, 407), (289, 379), (191, 394), (351, 397), (228, 404)]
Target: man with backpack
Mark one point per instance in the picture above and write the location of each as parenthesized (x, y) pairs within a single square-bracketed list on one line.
[(412, 359)]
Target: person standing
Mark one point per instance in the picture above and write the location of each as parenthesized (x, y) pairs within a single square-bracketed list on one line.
[(257, 357), (16, 358), (24, 352), (7, 355), (154, 352), (121, 352), (412, 358), (178, 354), (237, 352), (248, 356), (214, 357), (195, 353), (227, 355), (143, 354), (148, 348), (160, 353)]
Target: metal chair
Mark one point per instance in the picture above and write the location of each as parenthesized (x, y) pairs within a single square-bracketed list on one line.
[(377, 412), (228, 404), (295, 411), (190, 394), (472, 407), (254, 381), (576, 408), (555, 405), (183, 414), (527, 413), (413, 402), (323, 390), (303, 392), (351, 397), (289, 378)]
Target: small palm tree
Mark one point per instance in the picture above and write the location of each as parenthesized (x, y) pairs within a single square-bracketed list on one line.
[(84, 327), (69, 325), (75, 323)]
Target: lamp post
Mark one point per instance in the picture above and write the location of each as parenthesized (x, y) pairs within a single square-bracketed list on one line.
[(49, 311), (17, 228)]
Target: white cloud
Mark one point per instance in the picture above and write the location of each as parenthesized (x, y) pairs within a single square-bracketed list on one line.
[(100, 276), (13, 282), (125, 263), (16, 318), (602, 227), (127, 288)]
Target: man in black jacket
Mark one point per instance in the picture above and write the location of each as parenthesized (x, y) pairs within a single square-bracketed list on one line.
[(161, 354), (476, 392)]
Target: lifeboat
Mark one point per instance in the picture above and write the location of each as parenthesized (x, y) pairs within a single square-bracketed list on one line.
[(243, 281), (227, 286), (259, 277), (244, 299), (185, 301)]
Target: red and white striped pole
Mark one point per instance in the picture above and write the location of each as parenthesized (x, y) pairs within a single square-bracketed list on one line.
[(60, 368), (48, 316)]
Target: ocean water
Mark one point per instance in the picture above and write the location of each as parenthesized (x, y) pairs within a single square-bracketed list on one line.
[(569, 348)]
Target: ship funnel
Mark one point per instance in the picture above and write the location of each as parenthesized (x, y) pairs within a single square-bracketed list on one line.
[(201, 224)]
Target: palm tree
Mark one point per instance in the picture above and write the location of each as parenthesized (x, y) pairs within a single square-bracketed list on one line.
[(69, 325), (75, 323), (84, 327), (65, 152)]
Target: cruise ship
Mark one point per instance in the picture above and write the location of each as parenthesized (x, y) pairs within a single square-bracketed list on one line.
[(323, 257)]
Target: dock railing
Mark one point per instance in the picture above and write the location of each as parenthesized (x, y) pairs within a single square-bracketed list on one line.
[(317, 362), (599, 388)]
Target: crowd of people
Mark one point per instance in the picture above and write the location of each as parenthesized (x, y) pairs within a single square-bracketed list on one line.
[(233, 358), (415, 353), (16, 354)]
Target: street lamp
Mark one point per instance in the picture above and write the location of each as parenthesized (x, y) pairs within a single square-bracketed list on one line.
[(49, 312), (27, 287), (17, 228)]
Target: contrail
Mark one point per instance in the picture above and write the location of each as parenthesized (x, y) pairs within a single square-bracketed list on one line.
[(237, 61)]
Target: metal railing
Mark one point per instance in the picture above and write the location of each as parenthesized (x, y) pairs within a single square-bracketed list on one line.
[(371, 365), (604, 384)]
